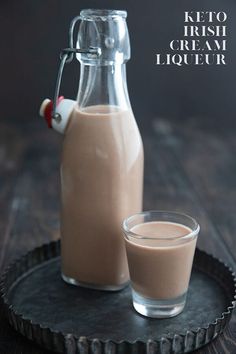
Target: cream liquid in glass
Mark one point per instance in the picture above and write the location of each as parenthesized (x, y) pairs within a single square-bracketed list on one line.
[(160, 268)]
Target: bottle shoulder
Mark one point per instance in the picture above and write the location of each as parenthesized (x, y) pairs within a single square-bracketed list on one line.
[(102, 119)]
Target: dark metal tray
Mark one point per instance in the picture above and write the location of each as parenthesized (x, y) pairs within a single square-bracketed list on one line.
[(72, 320)]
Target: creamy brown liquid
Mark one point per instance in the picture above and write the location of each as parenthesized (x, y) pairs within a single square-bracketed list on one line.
[(160, 269), (102, 180)]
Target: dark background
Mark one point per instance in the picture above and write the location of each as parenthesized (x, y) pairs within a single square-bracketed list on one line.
[(186, 118), (34, 32)]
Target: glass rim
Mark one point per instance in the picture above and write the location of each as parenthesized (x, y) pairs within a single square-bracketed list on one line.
[(93, 14), (135, 235)]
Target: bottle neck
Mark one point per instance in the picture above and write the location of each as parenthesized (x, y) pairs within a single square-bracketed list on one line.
[(103, 85)]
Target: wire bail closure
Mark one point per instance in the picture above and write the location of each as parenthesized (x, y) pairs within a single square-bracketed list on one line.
[(66, 57)]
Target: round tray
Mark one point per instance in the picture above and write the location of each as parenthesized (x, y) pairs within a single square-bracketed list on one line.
[(69, 319)]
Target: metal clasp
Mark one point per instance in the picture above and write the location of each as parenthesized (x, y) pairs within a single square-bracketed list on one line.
[(66, 56)]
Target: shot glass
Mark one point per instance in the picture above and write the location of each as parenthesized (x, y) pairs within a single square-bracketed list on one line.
[(160, 247)]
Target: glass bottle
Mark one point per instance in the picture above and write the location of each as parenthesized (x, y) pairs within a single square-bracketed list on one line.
[(102, 158)]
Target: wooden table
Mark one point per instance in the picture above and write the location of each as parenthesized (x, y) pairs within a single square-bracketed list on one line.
[(190, 166)]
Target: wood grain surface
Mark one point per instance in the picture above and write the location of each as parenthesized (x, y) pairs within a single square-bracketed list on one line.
[(189, 167)]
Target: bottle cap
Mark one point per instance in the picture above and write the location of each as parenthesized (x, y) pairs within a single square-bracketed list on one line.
[(63, 111)]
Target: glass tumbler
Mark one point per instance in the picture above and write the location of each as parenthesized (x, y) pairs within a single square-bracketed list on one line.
[(160, 247)]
